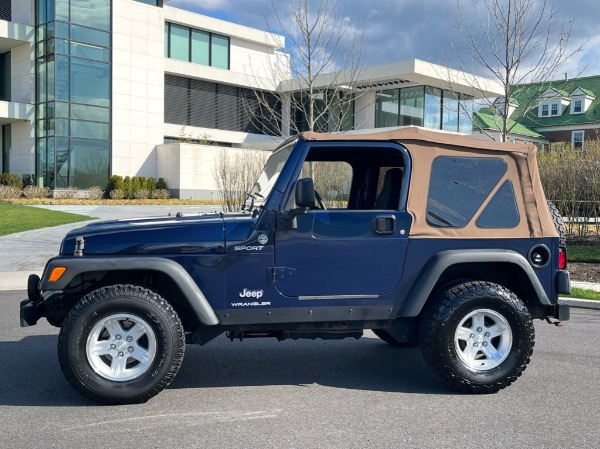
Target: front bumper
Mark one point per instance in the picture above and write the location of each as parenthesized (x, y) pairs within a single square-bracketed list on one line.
[(32, 309)]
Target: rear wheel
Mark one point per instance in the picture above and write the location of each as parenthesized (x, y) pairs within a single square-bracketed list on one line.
[(478, 337), (121, 344)]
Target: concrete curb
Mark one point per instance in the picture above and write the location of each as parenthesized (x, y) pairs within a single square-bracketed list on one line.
[(580, 303), (16, 280)]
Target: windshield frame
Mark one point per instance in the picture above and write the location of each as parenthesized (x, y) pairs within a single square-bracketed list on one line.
[(268, 177)]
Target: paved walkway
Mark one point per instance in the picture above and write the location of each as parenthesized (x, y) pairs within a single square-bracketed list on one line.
[(27, 252)]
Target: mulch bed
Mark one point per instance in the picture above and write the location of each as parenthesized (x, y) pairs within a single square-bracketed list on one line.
[(586, 272)]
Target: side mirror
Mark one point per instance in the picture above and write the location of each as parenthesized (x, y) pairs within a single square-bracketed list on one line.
[(305, 193)]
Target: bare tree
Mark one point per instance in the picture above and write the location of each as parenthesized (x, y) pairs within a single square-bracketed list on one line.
[(514, 42), (235, 172), (325, 47)]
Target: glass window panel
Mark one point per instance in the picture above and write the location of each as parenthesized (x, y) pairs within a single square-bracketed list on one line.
[(459, 186), (62, 78), (41, 79), (200, 47), (90, 52), (465, 124), (61, 46), (411, 106), (41, 111), (42, 126), (433, 107), (42, 166), (501, 211), (96, 16), (180, 42), (62, 30), (61, 127), (166, 39), (79, 111), (50, 10), (220, 51), (332, 180), (41, 11), (450, 112), (89, 163), (62, 10), (90, 82), (61, 170), (50, 85), (61, 110), (89, 130), (89, 36), (40, 49), (386, 108)]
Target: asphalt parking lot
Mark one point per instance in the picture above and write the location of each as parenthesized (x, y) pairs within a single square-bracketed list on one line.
[(305, 394)]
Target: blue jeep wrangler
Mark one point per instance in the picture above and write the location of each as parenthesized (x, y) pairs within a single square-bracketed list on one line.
[(423, 237)]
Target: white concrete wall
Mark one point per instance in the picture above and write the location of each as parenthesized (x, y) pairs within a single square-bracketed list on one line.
[(138, 87), (364, 110)]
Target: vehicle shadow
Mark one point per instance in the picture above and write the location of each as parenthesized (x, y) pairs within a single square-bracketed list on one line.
[(31, 375), (367, 364)]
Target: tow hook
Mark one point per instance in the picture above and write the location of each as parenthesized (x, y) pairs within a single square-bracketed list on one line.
[(556, 323)]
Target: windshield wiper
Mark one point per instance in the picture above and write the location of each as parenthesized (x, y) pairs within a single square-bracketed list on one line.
[(253, 197)]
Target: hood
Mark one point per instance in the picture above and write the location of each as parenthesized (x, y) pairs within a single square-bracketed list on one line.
[(194, 234)]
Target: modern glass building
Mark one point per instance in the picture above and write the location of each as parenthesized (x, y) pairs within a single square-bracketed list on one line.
[(94, 88)]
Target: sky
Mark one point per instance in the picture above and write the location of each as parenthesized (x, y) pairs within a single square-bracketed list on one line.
[(397, 30)]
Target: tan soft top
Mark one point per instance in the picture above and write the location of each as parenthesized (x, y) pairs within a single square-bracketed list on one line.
[(424, 146)]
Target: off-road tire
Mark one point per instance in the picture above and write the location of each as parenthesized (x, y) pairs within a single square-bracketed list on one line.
[(559, 224), (387, 335), (160, 324), (441, 324)]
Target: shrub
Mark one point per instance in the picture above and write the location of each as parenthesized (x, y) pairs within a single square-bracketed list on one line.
[(161, 194), (117, 194), (36, 192), (67, 193), (161, 184), (115, 182), (95, 193), (9, 192), (571, 179), (151, 185), (11, 179), (142, 194), (127, 187)]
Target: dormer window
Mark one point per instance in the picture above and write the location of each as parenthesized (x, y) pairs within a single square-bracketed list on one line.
[(544, 110), (581, 100), (554, 109)]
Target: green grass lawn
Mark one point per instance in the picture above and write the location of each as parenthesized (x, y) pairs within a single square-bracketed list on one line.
[(581, 293), (14, 218), (583, 253)]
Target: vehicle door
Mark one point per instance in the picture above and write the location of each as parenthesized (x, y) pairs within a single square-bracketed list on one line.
[(353, 243)]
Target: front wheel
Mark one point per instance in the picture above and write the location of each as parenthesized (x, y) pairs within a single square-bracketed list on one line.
[(478, 337), (121, 344)]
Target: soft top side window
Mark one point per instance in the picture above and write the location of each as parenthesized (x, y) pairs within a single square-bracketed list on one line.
[(458, 187)]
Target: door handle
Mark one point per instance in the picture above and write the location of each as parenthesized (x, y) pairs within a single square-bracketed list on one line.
[(384, 225)]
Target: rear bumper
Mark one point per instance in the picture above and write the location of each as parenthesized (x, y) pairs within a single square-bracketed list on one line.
[(563, 282)]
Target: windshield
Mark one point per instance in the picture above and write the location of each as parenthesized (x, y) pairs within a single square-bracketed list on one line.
[(267, 179)]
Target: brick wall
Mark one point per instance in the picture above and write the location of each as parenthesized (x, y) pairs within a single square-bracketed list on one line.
[(565, 136)]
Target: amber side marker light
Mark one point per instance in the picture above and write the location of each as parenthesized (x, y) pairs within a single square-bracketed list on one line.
[(57, 273)]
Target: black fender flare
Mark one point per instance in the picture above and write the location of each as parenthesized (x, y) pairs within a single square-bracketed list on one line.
[(429, 275), (79, 265)]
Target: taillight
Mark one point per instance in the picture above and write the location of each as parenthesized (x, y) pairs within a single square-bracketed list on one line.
[(562, 259)]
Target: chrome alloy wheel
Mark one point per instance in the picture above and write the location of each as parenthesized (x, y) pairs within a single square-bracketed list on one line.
[(483, 339), (121, 347)]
